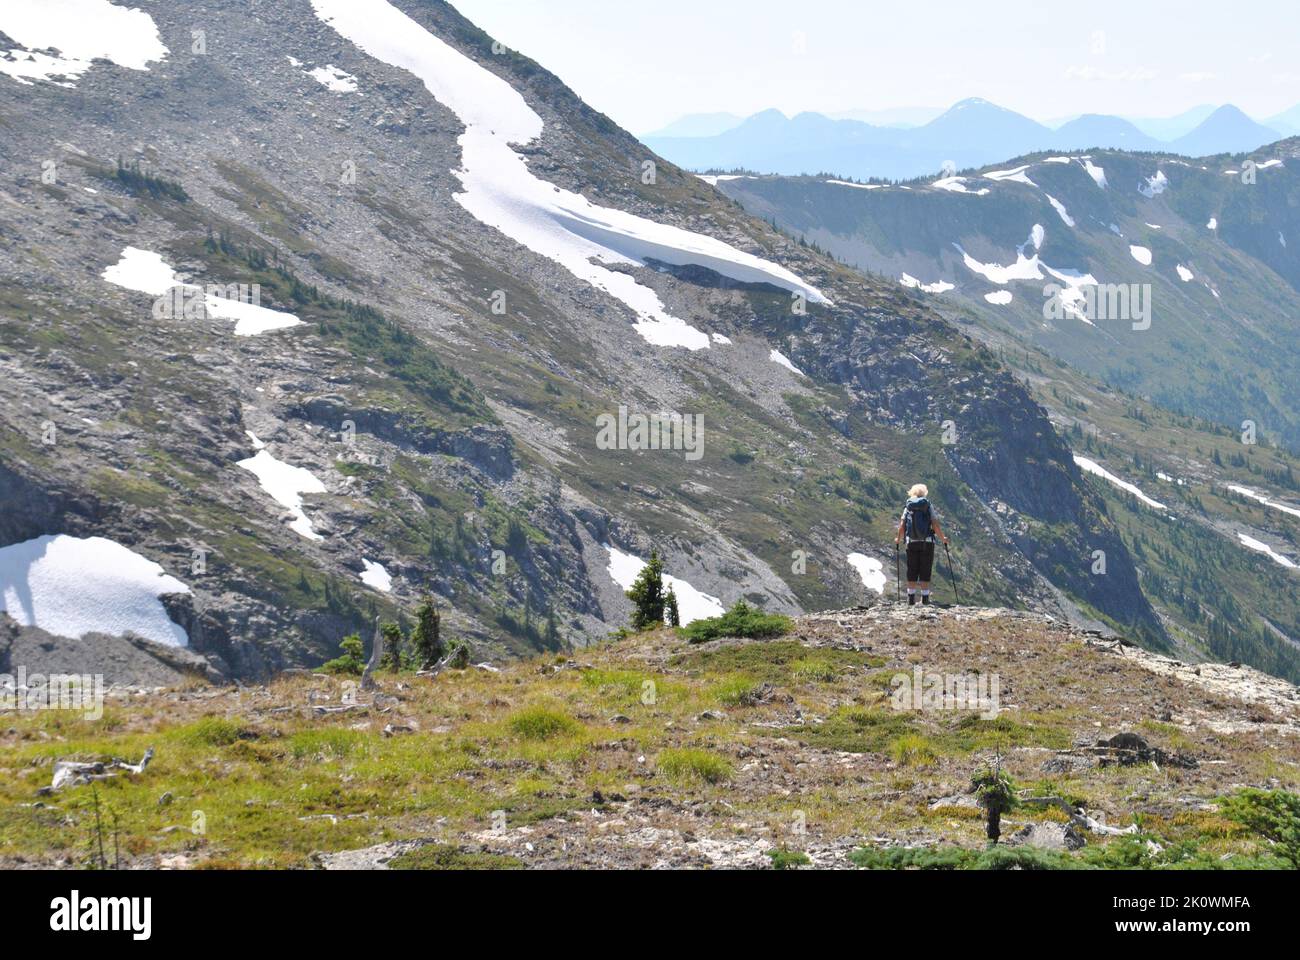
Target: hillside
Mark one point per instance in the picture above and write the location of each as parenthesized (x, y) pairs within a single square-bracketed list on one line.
[(1216, 536), (650, 751), (1213, 249), (461, 272)]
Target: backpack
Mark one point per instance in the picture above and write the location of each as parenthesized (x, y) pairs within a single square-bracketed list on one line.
[(918, 523)]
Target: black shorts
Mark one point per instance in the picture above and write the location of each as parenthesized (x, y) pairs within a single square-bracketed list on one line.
[(920, 561)]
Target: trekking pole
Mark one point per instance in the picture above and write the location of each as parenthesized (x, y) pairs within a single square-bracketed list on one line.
[(952, 576), (898, 574)]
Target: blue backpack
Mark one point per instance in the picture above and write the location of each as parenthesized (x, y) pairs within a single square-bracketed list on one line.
[(918, 524)]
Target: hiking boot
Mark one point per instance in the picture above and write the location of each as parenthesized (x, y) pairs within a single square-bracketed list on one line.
[(911, 600), (925, 601)]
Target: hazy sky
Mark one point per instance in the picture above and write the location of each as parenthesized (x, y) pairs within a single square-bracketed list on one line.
[(646, 64)]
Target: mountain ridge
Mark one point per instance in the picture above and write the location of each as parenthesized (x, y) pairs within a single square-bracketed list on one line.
[(973, 132)]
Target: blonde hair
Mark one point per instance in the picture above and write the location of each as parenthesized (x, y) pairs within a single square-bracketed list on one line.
[(920, 490)]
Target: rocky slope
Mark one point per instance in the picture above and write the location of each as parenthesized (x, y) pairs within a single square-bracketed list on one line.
[(649, 751), (436, 410)]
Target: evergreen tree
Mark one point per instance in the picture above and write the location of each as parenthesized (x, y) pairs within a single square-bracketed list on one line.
[(353, 660), (671, 613), (552, 631), (427, 636), (393, 641), (647, 595)]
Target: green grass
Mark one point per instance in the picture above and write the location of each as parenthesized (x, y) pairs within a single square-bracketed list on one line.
[(213, 732), (690, 765), (779, 661), (739, 691), (913, 750), (543, 723), (814, 671), (856, 730), (445, 857)]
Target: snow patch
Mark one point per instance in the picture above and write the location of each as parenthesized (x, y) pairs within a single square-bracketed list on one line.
[(251, 319), (1096, 469), (713, 180), (1264, 499), (1253, 544), (1059, 207), (939, 286), (1154, 186), (501, 191), (142, 271), (958, 185), (286, 484), (1141, 254), (871, 570), (146, 272), (1186, 275), (332, 78), (1097, 173), (1000, 297), (71, 587), (692, 605), (1213, 224), (776, 356), (376, 576), (1032, 268), (1015, 176), (857, 186), (1025, 268), (82, 31)]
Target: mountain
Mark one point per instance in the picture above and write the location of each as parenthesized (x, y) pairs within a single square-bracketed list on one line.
[(1092, 130), (1145, 301), (973, 133), (904, 118), (699, 125), (975, 126), (402, 318), (1287, 122), (1171, 128), (1227, 130)]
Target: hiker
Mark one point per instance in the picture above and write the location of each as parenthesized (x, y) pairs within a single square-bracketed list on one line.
[(920, 526)]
